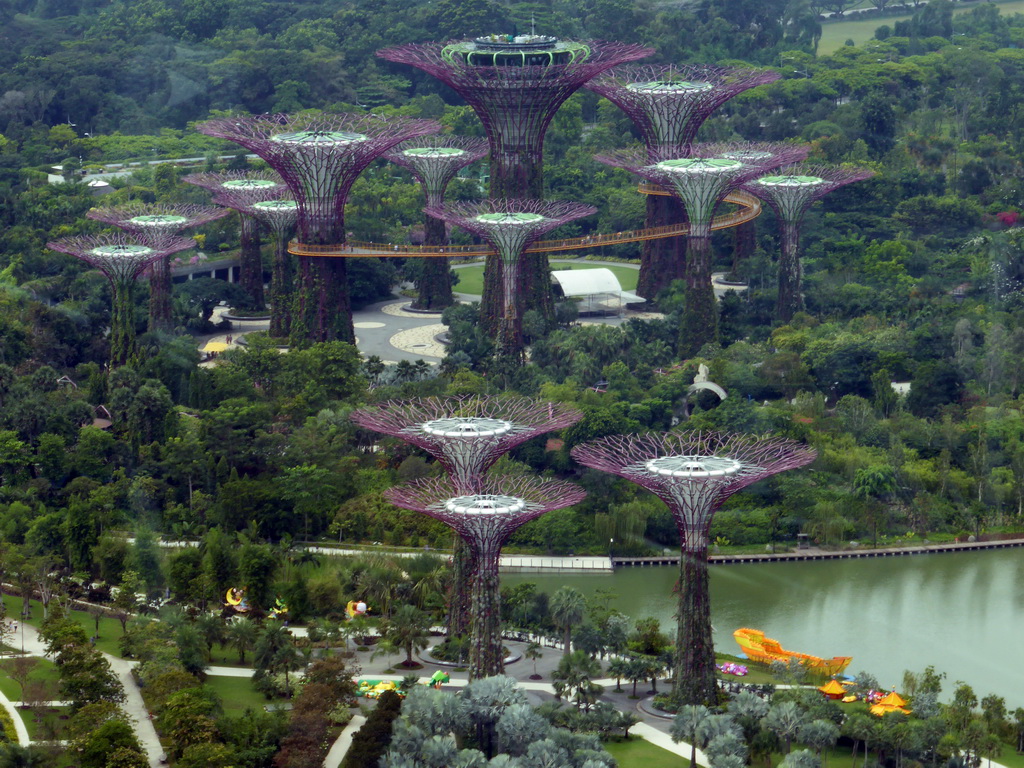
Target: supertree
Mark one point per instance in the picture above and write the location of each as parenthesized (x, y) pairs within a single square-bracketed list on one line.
[(790, 193), (700, 181), (668, 104), (510, 226), (515, 84), (693, 473), (485, 520), (319, 157), (121, 259), (434, 161), (239, 190), (466, 435), (151, 225)]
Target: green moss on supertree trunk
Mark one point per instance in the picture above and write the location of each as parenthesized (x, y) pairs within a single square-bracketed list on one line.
[(699, 325), (790, 300), (322, 310), (460, 597), (485, 653), (434, 286), (663, 259), (161, 316), (281, 288), (694, 671), (251, 263), (122, 324)]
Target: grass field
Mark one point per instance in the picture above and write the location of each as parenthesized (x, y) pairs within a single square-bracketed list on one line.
[(471, 279), (236, 694), (44, 670), (639, 753), (110, 629), (834, 35)]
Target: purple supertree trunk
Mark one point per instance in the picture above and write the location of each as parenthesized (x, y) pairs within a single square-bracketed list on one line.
[(693, 473), (121, 259), (515, 86), (510, 226), (700, 181), (790, 192), (151, 225), (434, 162), (319, 157), (668, 104), (485, 520)]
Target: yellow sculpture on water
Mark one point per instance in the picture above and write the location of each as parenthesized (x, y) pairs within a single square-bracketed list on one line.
[(757, 647)]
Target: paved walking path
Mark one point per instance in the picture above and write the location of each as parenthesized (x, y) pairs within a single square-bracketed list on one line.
[(340, 747), (19, 725), (133, 705)]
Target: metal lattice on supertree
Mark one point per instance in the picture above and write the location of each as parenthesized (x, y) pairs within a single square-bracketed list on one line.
[(121, 259), (516, 84), (319, 157), (510, 226), (238, 190), (485, 520), (790, 192), (466, 434), (699, 182), (693, 473), (434, 161), (668, 104), (151, 224)]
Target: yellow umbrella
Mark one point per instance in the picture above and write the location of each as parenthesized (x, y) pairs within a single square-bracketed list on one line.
[(215, 346)]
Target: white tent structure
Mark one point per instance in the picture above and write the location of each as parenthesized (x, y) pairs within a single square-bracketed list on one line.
[(598, 290)]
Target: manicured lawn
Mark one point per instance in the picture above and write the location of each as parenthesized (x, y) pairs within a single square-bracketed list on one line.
[(110, 629), (38, 728), (236, 694), (639, 753), (44, 670), (835, 35), (471, 279), (1008, 757)]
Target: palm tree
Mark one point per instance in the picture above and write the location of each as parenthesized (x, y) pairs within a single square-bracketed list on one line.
[(567, 609), (385, 647), (14, 755), (819, 735), (802, 758), (408, 629), (241, 635), (636, 670), (618, 668), (860, 728), (687, 726), (785, 720)]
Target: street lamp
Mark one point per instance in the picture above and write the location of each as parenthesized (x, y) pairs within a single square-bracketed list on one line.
[(610, 543)]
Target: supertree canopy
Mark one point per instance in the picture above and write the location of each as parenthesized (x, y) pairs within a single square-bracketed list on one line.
[(700, 181), (516, 84), (434, 161), (151, 224), (121, 259), (239, 190), (668, 104), (790, 192), (466, 434), (510, 226), (319, 157), (693, 473), (485, 520)]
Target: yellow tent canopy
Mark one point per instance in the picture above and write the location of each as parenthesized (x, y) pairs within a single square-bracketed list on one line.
[(832, 688), (880, 710), (215, 346), (893, 700)]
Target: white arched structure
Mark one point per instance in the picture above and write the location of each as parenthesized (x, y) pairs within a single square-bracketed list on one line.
[(598, 290)]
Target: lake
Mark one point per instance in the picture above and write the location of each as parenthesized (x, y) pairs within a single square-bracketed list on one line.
[(962, 613)]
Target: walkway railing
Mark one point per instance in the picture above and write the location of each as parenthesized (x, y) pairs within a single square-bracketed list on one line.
[(750, 209)]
